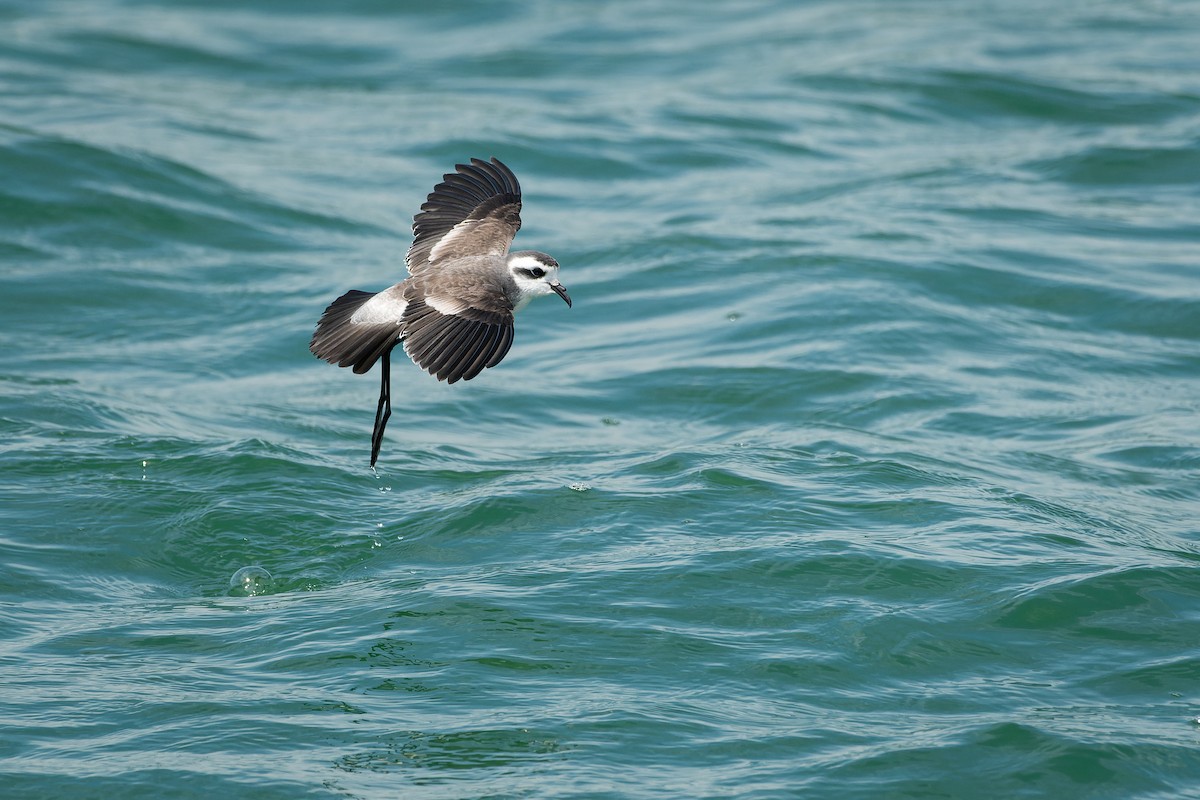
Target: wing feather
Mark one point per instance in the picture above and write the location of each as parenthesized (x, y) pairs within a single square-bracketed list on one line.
[(488, 356), (480, 203), (453, 347), (473, 213), (341, 341), (500, 352), (481, 338)]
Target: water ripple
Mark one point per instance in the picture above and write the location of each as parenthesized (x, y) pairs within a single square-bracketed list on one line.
[(867, 450)]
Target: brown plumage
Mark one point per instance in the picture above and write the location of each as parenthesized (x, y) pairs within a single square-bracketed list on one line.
[(454, 313)]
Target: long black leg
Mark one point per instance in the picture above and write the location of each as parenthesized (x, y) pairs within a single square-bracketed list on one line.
[(384, 409)]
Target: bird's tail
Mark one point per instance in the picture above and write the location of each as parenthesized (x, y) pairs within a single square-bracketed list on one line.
[(341, 341)]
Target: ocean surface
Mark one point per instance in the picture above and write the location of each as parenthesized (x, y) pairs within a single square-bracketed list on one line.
[(866, 464)]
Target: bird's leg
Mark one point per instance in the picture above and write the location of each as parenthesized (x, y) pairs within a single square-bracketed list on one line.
[(384, 409)]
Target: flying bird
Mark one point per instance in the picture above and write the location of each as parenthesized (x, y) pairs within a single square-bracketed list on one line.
[(454, 313)]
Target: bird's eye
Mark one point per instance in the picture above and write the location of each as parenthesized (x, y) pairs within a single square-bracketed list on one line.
[(537, 272)]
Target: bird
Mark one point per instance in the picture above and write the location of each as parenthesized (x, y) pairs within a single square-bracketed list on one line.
[(454, 313)]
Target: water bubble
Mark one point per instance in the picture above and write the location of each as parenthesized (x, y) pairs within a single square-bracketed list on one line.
[(250, 581), (579, 487)]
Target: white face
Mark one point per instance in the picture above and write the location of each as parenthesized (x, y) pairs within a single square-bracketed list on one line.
[(536, 274)]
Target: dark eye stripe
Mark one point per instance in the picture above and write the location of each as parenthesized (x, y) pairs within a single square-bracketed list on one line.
[(536, 272)]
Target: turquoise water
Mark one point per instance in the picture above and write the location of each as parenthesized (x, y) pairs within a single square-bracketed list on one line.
[(867, 463)]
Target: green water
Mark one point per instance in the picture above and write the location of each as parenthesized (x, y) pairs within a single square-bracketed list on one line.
[(867, 463)]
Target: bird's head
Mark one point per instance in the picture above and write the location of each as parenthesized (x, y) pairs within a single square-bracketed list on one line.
[(535, 274)]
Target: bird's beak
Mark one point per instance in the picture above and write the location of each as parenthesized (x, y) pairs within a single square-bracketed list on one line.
[(561, 291)]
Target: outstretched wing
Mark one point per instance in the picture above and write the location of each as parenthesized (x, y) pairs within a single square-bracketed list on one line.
[(474, 211), (350, 338), (456, 340)]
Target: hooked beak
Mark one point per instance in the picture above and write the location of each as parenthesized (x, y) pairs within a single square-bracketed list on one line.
[(561, 291)]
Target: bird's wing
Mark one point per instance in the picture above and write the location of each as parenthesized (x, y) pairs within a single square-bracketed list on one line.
[(456, 339), (474, 211), (342, 339)]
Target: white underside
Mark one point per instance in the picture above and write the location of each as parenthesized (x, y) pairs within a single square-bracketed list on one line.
[(383, 308)]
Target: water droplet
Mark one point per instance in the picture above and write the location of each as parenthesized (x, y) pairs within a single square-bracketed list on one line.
[(579, 487), (250, 581), (734, 317)]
